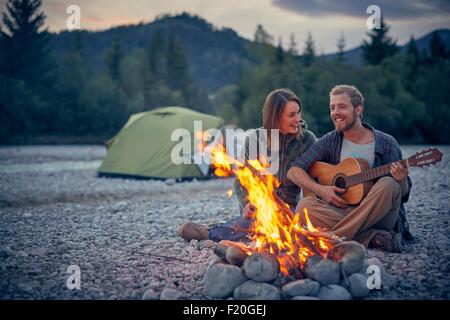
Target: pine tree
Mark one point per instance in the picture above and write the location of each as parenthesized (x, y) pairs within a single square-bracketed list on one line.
[(413, 57), (153, 73), (380, 45), (23, 45), (73, 89), (184, 90), (279, 56), (341, 47), (437, 50), (412, 63), (113, 59), (412, 51), (309, 52), (156, 55), (177, 67), (262, 36), (292, 45), (26, 71)]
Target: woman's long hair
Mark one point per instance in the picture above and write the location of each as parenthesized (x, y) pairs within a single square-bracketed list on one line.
[(273, 108)]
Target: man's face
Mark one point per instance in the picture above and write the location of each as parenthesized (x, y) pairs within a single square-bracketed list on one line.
[(342, 112)]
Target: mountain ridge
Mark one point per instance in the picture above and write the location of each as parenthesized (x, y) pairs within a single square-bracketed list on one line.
[(215, 56)]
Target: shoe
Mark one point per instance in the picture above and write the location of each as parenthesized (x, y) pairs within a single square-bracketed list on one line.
[(192, 230), (387, 241)]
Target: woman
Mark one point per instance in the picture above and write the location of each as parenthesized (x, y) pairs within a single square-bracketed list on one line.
[(282, 111)]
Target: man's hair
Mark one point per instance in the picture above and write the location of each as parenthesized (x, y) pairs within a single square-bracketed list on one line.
[(274, 106), (352, 92)]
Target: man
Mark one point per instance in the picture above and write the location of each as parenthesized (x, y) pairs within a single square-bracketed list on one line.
[(374, 220)]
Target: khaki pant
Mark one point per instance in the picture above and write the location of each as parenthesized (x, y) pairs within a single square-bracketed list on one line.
[(377, 211)]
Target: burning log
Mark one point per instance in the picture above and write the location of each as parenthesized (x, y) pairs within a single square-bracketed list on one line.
[(323, 235), (240, 245)]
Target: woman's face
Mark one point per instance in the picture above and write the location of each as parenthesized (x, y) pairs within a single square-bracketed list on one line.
[(290, 118)]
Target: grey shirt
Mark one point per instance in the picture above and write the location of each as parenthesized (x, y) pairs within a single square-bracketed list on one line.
[(354, 150)]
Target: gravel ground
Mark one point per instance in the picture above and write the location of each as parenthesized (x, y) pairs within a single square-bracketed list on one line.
[(122, 234)]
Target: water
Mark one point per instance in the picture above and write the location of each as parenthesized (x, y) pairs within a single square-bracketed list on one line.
[(64, 158), (50, 166)]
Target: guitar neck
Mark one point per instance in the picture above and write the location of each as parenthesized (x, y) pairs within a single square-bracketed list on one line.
[(370, 174)]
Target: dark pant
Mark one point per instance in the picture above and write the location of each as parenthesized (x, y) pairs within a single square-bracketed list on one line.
[(227, 230)]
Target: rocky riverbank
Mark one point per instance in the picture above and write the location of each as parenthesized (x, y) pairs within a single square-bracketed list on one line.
[(122, 234)]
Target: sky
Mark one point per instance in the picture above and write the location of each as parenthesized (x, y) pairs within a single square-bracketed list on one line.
[(325, 19)]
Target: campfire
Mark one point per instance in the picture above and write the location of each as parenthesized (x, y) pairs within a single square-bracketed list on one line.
[(276, 229), (284, 258)]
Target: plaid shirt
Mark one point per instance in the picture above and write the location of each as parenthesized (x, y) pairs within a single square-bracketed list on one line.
[(328, 149)]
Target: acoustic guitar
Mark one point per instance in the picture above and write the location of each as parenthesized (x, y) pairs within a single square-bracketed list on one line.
[(356, 177)]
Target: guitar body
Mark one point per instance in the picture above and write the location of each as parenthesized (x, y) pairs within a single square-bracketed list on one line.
[(333, 175)]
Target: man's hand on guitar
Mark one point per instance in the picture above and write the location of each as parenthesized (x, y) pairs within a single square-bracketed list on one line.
[(328, 194), (398, 171)]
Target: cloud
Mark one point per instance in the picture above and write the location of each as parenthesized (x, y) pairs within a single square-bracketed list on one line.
[(326, 19), (392, 10)]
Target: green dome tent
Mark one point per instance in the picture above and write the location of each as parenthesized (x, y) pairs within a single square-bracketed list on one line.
[(143, 146)]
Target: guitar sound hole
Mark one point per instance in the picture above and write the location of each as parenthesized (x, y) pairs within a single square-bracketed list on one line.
[(340, 182)]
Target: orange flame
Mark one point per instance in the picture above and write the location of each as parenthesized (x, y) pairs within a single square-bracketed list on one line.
[(275, 229)]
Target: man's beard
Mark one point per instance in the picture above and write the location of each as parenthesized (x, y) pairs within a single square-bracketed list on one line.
[(347, 126)]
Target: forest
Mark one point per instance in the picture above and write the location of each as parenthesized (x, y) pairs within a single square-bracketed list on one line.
[(49, 95)]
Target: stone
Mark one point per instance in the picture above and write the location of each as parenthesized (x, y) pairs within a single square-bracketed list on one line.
[(254, 290), (202, 244), (216, 260), (6, 251), (358, 285), (386, 279), (221, 249), (155, 285), (303, 287), (150, 294), (334, 292), (236, 256), (22, 254), (120, 206), (423, 256), (39, 251), (325, 271), (170, 182), (169, 294), (351, 255), (25, 287), (222, 279), (261, 267), (304, 298), (194, 243)]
